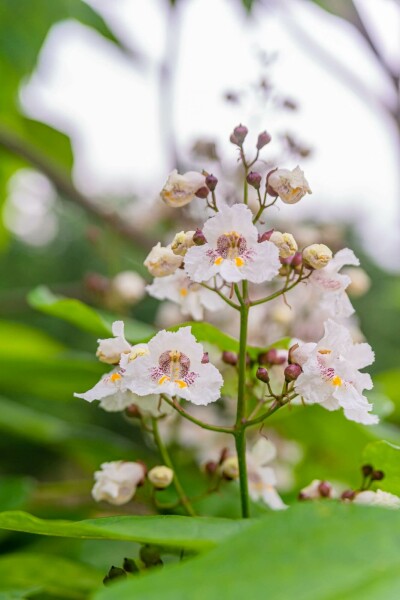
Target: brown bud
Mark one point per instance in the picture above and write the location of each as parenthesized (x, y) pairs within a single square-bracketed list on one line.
[(211, 467), (262, 374), (254, 179), (230, 358), (292, 372), (297, 260), (263, 139), (199, 238), (348, 495), (133, 412), (240, 132), (264, 237), (377, 475), (202, 192), (211, 182), (367, 470), (205, 359), (325, 489), (271, 358)]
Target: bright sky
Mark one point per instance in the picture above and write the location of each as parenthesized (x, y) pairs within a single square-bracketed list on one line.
[(111, 109)]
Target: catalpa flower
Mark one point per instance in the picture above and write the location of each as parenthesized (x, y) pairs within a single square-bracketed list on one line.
[(109, 350), (180, 189), (332, 284), (290, 186), (331, 375), (174, 366), (117, 481), (232, 249), (378, 498), (161, 261), (191, 296), (262, 478)]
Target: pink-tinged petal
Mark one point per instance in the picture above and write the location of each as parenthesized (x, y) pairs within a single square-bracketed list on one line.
[(199, 266)]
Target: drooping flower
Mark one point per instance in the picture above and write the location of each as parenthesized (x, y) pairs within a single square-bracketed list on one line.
[(290, 186), (232, 249), (117, 481), (191, 296), (285, 243), (331, 375), (109, 350), (378, 498), (174, 366), (180, 189), (182, 242), (162, 261), (332, 284)]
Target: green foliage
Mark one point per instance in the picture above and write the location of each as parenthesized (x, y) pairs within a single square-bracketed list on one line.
[(385, 457), (15, 491), (319, 551)]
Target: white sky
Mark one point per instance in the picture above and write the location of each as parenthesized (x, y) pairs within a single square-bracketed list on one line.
[(111, 109)]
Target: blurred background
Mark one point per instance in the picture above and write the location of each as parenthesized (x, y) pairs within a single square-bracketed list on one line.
[(99, 101)]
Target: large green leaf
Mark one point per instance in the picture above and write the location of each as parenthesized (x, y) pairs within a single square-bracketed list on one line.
[(195, 533), (15, 492), (99, 323), (317, 551), (52, 574), (385, 457)]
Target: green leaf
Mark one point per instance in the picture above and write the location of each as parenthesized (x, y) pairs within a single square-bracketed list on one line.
[(194, 533), (53, 574), (19, 341), (19, 594), (15, 492), (385, 457), (318, 551)]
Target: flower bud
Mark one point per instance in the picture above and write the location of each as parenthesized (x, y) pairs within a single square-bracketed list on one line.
[(262, 374), (317, 256), (233, 140), (211, 467), (292, 372), (230, 468), (290, 186), (179, 190), (230, 358), (162, 261), (182, 242), (297, 260), (150, 555), (206, 359), (202, 192), (272, 357), (160, 477), (264, 237), (348, 495), (133, 412), (113, 574), (325, 489), (263, 139), (367, 470), (285, 243), (199, 238), (254, 179), (130, 566), (240, 132), (377, 475), (211, 182)]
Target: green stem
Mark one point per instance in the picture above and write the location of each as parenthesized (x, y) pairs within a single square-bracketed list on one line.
[(279, 292), (269, 412), (167, 461), (189, 417), (221, 295), (240, 441)]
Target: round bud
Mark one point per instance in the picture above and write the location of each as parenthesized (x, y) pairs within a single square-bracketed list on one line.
[(234, 140), (199, 238), (264, 237), (271, 357), (367, 470), (240, 132), (263, 139), (205, 359), (130, 566), (230, 468), (348, 495), (160, 477), (150, 556), (317, 256), (262, 374), (211, 182), (297, 260), (325, 489), (292, 372), (133, 412), (114, 573), (377, 475), (202, 192), (211, 467), (230, 358), (254, 179)]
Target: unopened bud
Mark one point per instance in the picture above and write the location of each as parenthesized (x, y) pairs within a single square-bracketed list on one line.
[(114, 573), (377, 475), (325, 489), (211, 467), (367, 470), (262, 374), (317, 256), (348, 495), (264, 237), (199, 238), (263, 139), (130, 566), (292, 372), (272, 357), (133, 412), (202, 192), (240, 132), (254, 179), (285, 243), (230, 468), (230, 358), (150, 555), (297, 260), (160, 477), (233, 139), (205, 359), (211, 182)]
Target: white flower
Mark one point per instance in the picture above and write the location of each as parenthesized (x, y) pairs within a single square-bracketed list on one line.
[(332, 284), (317, 489), (191, 296), (182, 242), (117, 481), (317, 256), (290, 186), (378, 498), (174, 366), (232, 249), (285, 243), (162, 261), (160, 477), (180, 189), (331, 375), (128, 286), (262, 479), (109, 350)]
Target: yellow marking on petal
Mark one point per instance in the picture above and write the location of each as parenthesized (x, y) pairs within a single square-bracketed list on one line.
[(324, 351), (134, 355), (163, 379), (337, 380), (180, 383), (115, 377), (183, 292), (218, 260), (239, 262)]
